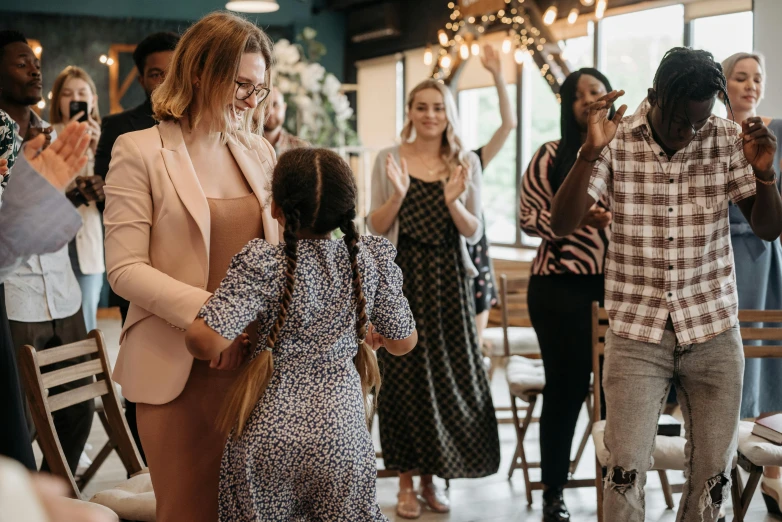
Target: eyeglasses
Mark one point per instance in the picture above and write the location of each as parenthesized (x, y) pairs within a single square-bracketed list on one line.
[(245, 89)]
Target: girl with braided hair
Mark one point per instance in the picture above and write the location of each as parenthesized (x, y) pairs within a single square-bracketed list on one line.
[(299, 447)]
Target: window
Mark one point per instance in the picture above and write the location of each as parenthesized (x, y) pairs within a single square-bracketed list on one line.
[(633, 46), (479, 112), (723, 35), (710, 33), (579, 52)]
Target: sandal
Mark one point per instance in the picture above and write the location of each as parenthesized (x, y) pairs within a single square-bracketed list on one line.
[(435, 499), (407, 505)]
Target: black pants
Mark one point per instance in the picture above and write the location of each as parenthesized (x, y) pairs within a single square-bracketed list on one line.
[(560, 310), (14, 434), (73, 424), (130, 407)]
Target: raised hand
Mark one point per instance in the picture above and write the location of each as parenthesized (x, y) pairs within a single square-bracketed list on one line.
[(91, 187), (600, 129), (491, 60), (399, 176), (60, 162), (232, 357), (760, 144), (597, 217), (455, 186)]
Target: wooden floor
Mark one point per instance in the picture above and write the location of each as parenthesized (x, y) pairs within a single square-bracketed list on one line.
[(475, 500)]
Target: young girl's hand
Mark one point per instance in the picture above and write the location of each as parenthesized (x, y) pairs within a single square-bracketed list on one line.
[(233, 356), (374, 339)]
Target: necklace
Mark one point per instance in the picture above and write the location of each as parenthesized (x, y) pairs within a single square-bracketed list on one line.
[(432, 172)]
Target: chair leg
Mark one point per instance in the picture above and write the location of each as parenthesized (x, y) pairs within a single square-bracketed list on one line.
[(584, 439), (666, 488), (756, 472), (736, 493), (519, 435), (599, 489), (524, 463)]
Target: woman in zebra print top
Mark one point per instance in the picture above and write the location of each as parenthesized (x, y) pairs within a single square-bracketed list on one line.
[(567, 276)]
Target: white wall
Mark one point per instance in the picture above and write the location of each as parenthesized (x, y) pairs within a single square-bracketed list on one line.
[(768, 20)]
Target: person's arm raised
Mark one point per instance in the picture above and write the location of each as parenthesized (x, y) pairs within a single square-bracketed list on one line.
[(572, 201)]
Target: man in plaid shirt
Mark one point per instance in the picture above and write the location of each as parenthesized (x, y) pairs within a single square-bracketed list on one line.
[(669, 172)]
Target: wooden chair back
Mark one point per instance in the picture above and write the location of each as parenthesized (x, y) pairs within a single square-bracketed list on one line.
[(513, 306), (96, 367), (599, 329)]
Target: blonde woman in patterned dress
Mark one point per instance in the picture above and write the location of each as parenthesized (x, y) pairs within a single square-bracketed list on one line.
[(436, 411)]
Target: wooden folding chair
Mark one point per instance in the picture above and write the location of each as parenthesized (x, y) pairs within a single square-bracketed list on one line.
[(98, 369), (754, 452), (526, 381)]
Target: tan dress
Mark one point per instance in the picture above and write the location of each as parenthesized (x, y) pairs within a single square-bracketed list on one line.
[(182, 445)]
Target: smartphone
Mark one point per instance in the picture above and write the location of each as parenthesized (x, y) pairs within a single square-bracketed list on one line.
[(77, 107)]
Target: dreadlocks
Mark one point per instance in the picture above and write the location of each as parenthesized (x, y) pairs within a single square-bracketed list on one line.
[(688, 74)]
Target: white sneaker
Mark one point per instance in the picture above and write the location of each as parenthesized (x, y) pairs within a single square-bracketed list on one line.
[(84, 462)]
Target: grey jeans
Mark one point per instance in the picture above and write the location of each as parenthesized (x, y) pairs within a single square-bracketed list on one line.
[(636, 378)]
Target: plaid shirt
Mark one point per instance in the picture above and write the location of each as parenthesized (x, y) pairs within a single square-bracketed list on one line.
[(670, 251)]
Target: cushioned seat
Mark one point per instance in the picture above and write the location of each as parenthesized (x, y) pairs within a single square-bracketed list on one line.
[(668, 451), (134, 499), (525, 376), (758, 450), (521, 341)]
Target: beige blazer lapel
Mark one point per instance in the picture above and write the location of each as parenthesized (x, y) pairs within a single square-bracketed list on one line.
[(257, 169), (183, 176)]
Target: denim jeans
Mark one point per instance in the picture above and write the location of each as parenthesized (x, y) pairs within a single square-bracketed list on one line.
[(90, 285), (636, 377)]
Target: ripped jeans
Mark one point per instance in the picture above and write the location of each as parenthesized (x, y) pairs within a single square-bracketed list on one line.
[(636, 378)]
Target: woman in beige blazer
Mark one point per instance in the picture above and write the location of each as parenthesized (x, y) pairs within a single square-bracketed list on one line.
[(183, 198)]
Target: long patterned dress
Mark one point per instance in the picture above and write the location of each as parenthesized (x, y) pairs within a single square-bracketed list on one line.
[(435, 407), (306, 453)]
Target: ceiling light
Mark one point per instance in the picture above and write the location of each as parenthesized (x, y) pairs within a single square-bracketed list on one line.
[(253, 6), (428, 55), (572, 17), (550, 15), (600, 9), (442, 37), (475, 49)]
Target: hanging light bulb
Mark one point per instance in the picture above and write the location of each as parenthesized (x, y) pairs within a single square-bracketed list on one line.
[(428, 55), (572, 17), (506, 45), (587, 3), (550, 15), (518, 56), (110, 61), (475, 48), (600, 9), (442, 37), (103, 58), (464, 51), (41, 104), (445, 62)]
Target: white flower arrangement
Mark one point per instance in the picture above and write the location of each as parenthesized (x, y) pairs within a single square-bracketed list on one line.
[(318, 111)]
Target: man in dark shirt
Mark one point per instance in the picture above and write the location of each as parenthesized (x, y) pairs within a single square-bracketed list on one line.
[(152, 57)]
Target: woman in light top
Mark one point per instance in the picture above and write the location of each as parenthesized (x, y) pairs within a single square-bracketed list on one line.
[(183, 198), (436, 412), (758, 263), (86, 192)]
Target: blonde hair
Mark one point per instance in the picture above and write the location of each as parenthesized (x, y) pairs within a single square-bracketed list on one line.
[(452, 152), (316, 191), (55, 114), (729, 64), (211, 50)]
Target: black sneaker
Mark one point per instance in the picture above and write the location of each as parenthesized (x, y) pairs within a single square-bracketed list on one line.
[(554, 508)]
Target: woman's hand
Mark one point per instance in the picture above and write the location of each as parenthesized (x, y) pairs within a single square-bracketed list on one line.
[(398, 176), (233, 356), (491, 60), (93, 129), (91, 187), (600, 130), (455, 186)]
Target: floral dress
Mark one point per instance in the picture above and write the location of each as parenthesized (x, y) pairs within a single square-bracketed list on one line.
[(9, 147), (306, 453)]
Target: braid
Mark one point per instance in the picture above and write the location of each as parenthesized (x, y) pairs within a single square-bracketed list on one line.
[(292, 224), (687, 74), (351, 236)]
